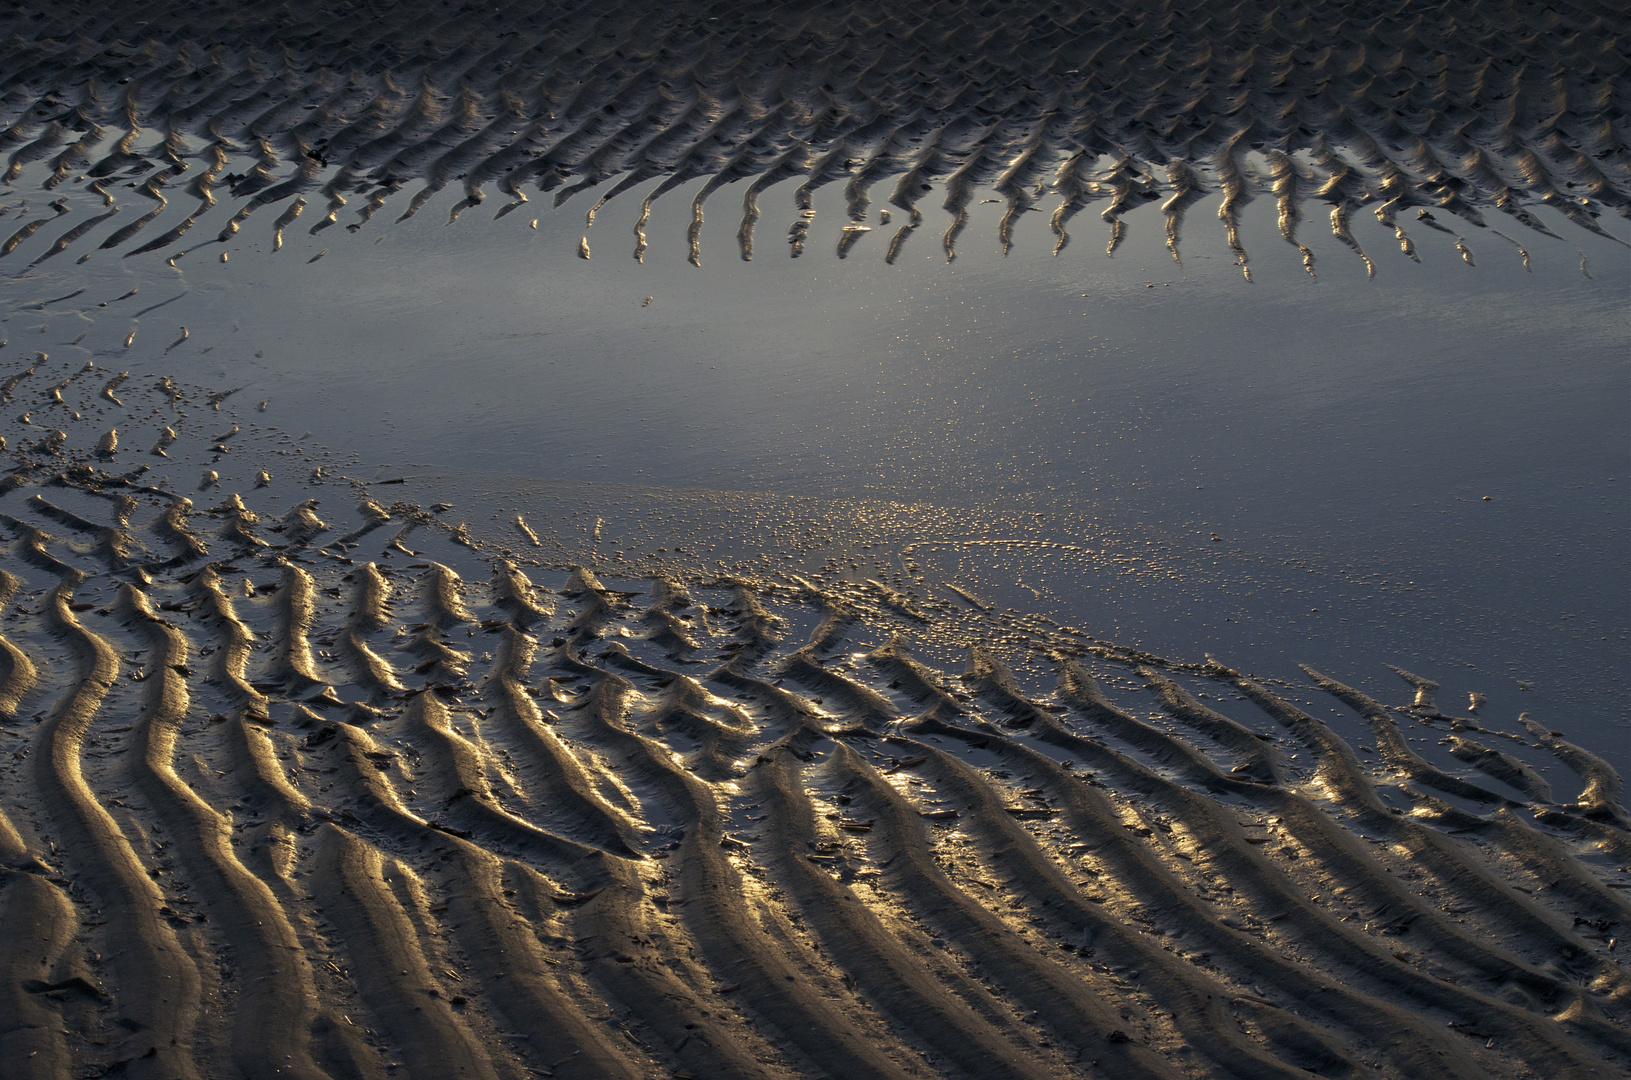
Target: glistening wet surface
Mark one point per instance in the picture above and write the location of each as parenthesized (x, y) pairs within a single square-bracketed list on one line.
[(450, 637)]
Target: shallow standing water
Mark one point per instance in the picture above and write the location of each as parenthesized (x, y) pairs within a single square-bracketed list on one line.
[(1427, 468), (434, 642)]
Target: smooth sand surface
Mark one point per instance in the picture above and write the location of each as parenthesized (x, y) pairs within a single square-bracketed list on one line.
[(433, 643)]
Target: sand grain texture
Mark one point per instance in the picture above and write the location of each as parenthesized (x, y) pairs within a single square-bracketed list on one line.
[(305, 778), (280, 809)]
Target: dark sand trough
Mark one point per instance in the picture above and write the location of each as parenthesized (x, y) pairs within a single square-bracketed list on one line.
[(299, 790), (1472, 110), (308, 791)]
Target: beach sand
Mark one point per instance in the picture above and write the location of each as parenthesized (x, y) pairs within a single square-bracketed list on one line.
[(424, 652)]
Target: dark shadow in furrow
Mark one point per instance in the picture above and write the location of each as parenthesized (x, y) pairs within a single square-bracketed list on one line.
[(594, 612), (466, 798), (16, 239), (272, 1011), (1074, 191), (389, 967), (795, 161), (239, 527), (567, 798), (369, 614), (267, 847), (1332, 845), (723, 730), (1340, 773), (1374, 1022), (17, 672), (665, 625), (1260, 760), (172, 529), (871, 709), (913, 679), (1026, 169), (39, 921), (1128, 189), (441, 608), (757, 630), (301, 523), (293, 611), (823, 169), (1603, 798), (1059, 997), (1186, 190), (373, 516), (31, 545), (516, 596), (1198, 1013), (1554, 865), (157, 986), (1513, 772), (1286, 180), (719, 919), (234, 641), (500, 946), (1396, 752), (1235, 196), (121, 235), (790, 716), (68, 238)]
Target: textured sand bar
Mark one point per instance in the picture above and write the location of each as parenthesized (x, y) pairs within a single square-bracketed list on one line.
[(1475, 110), (308, 779), (351, 787)]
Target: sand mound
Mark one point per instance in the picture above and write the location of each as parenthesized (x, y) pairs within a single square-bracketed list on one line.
[(302, 784), (1467, 110)]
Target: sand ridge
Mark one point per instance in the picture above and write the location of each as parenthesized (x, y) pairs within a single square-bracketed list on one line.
[(379, 792), (306, 774), (1460, 119)]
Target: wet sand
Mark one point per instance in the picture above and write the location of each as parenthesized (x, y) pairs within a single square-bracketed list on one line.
[(336, 748)]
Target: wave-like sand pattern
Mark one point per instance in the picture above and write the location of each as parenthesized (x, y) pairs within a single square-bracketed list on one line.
[(280, 809), (1475, 108)]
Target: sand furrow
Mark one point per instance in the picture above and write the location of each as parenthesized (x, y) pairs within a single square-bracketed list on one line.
[(516, 596), (391, 972), (666, 625), (1603, 798), (1396, 752), (229, 662), (172, 528), (18, 673), (272, 1006), (1351, 871), (441, 608), (158, 985), (562, 792), (369, 613), (499, 946), (40, 922), (866, 706), (722, 730), (1258, 759), (767, 972), (456, 768), (294, 607), (1176, 990), (1455, 870), (902, 984), (1163, 904)]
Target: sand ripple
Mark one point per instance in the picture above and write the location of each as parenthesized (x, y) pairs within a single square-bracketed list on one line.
[(279, 805), (1481, 110)]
